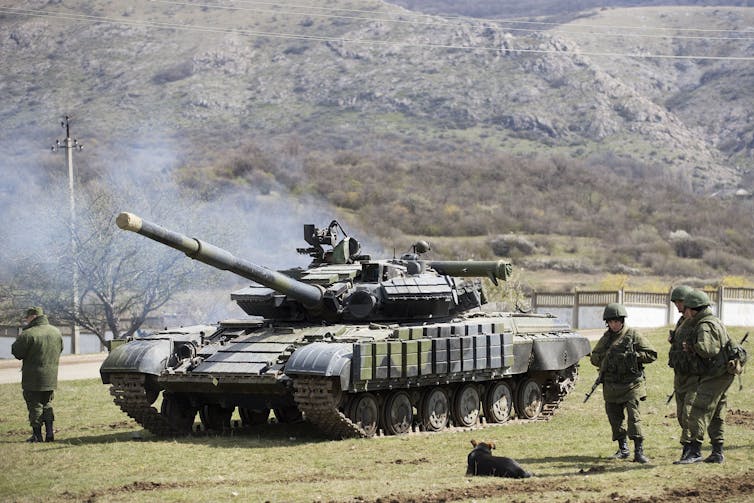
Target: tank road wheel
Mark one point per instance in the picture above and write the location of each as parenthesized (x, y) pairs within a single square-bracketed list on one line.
[(434, 409), (253, 417), (399, 413), (178, 412), (466, 406), (288, 414), (529, 399), (499, 402), (216, 417), (365, 412)]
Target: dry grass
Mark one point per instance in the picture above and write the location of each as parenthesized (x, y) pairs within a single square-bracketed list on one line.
[(101, 455)]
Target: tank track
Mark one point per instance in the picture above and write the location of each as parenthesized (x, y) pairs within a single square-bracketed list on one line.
[(130, 394), (318, 401), (316, 398), (555, 391)]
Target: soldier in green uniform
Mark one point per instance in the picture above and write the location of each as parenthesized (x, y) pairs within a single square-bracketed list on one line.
[(620, 355), (39, 347), (705, 356), (683, 381)]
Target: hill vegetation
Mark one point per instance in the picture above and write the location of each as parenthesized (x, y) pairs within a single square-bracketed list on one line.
[(611, 140), (545, 212)]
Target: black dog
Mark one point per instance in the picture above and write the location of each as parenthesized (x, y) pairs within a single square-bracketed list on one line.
[(482, 462)]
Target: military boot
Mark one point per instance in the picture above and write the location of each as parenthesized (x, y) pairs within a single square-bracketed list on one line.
[(684, 454), (49, 432), (694, 455), (623, 451), (639, 456), (717, 454), (36, 434)]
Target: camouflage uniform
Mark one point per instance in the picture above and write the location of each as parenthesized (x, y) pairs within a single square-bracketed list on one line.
[(39, 346), (706, 359), (620, 357), (684, 383)]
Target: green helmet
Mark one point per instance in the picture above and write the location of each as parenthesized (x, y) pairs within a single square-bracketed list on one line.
[(696, 299), (614, 311), (680, 292)]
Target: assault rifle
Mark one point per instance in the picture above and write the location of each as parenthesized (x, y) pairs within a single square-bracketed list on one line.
[(740, 382), (670, 397), (597, 382)]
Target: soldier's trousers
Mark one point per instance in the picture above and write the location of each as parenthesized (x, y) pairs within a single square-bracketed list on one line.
[(39, 404), (708, 408), (684, 386), (618, 412)]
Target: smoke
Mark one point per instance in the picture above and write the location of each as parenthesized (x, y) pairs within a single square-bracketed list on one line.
[(141, 177)]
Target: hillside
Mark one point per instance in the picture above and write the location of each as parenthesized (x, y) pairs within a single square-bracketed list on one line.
[(337, 78), (394, 118)]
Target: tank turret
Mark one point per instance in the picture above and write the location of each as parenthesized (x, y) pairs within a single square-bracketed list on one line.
[(351, 344), (340, 284)]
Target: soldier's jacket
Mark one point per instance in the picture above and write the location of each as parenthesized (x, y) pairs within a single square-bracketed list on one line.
[(705, 339), (677, 336), (39, 346), (621, 358)]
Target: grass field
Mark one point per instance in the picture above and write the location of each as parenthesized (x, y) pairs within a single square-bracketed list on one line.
[(101, 455)]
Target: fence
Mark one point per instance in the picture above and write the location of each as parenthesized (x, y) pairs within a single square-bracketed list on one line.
[(734, 306)]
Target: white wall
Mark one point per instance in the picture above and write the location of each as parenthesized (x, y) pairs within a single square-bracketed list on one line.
[(738, 313), (646, 316)]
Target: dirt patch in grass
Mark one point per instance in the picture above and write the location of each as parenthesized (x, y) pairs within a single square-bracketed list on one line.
[(740, 417), (732, 488), (399, 461), (705, 490), (138, 486)]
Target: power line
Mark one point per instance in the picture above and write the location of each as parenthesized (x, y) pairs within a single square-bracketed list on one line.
[(467, 19), (468, 22), (484, 20), (256, 33)]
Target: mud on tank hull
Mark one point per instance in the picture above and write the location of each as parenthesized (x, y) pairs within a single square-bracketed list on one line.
[(352, 380)]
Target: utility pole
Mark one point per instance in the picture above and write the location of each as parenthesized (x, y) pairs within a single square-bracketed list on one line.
[(69, 145)]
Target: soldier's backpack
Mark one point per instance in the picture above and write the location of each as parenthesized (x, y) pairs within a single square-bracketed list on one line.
[(736, 356)]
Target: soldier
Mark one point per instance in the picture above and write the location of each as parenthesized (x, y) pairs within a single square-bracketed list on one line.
[(705, 356), (683, 382), (39, 346), (620, 355)]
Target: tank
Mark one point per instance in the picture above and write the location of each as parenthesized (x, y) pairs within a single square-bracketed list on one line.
[(354, 346)]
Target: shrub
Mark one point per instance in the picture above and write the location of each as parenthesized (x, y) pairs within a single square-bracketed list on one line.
[(728, 263), (510, 245), (688, 248)]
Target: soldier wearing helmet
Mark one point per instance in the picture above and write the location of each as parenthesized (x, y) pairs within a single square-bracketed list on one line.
[(705, 358), (683, 382), (621, 354)]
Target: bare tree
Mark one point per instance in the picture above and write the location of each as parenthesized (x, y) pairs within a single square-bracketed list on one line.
[(122, 279), (121, 284)]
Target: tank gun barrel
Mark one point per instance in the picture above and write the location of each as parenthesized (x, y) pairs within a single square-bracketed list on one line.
[(309, 295), (493, 269)]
